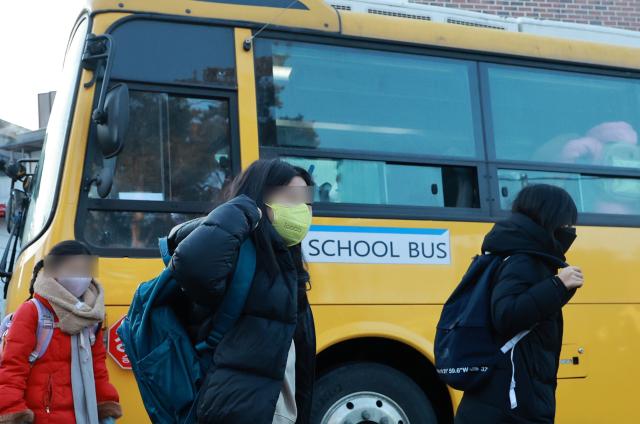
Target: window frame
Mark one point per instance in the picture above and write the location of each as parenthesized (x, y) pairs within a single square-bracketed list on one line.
[(87, 204), (584, 218), (486, 165), (495, 164), (327, 209), (474, 88), (492, 157), (363, 210)]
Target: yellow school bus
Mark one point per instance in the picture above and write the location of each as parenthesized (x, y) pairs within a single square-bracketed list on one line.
[(419, 134)]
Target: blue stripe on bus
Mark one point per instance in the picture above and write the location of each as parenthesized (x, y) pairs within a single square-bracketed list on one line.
[(377, 230), (282, 4)]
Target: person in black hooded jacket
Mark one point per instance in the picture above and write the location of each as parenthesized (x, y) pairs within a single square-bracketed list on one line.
[(528, 294), (263, 369)]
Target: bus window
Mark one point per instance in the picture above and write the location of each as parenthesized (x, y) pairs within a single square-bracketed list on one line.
[(338, 98), (561, 117), (385, 183), (592, 194), (176, 155), (185, 144)]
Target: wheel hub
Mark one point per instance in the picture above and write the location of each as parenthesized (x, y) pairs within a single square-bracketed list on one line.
[(365, 408)]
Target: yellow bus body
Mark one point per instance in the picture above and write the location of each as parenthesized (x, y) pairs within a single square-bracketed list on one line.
[(395, 302)]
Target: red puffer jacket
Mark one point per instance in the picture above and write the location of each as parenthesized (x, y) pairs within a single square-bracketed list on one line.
[(44, 390)]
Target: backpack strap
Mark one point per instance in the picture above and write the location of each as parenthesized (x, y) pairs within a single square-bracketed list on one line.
[(5, 324), (44, 333), (511, 346), (234, 299), (163, 244)]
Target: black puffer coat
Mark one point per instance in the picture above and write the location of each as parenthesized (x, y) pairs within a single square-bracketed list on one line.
[(525, 296), (245, 381)]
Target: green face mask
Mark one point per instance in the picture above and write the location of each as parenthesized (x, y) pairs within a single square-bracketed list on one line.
[(291, 222)]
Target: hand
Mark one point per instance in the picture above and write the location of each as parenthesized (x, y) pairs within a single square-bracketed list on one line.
[(571, 277)]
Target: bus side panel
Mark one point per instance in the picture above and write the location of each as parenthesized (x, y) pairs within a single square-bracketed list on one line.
[(609, 337)]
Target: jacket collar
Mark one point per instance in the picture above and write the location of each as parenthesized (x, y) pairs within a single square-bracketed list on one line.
[(520, 233)]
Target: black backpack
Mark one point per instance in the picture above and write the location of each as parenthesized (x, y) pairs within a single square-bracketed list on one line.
[(466, 349)]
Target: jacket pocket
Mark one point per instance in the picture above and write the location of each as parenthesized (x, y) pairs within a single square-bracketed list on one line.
[(545, 370)]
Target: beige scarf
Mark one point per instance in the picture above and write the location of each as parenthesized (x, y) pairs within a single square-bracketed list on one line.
[(73, 314)]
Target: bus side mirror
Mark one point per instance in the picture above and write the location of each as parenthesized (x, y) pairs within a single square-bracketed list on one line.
[(104, 180), (112, 123), (111, 129)]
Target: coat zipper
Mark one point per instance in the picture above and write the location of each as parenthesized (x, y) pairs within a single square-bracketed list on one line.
[(49, 398)]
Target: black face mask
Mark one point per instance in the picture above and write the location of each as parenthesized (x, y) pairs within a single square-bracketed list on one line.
[(565, 238)]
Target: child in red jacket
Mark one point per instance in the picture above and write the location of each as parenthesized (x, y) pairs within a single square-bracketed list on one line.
[(68, 382)]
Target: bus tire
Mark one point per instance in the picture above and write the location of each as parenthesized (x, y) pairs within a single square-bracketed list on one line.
[(372, 393)]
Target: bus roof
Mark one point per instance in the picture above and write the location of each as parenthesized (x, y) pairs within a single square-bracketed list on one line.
[(409, 9), (405, 21)]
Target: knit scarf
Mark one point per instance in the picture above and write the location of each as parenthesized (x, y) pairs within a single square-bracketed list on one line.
[(77, 317), (73, 314)]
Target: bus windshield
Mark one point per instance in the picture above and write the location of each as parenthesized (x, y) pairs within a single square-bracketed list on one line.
[(50, 165)]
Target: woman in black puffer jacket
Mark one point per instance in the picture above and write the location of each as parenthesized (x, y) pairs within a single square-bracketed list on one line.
[(263, 368), (528, 294)]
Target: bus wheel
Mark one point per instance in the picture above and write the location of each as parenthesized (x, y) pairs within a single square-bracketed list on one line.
[(369, 393)]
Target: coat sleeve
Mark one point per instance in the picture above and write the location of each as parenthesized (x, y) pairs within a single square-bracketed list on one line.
[(518, 303), (106, 393), (15, 367), (204, 258)]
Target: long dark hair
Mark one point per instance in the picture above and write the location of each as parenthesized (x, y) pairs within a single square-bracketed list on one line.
[(56, 256), (549, 206), (256, 182)]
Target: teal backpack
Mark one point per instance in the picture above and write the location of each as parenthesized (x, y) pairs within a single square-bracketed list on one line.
[(167, 366)]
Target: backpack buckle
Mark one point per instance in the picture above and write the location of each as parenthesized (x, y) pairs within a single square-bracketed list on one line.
[(48, 323)]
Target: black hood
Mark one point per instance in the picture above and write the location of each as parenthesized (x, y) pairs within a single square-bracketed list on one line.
[(520, 233)]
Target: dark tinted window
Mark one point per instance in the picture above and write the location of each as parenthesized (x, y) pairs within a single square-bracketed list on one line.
[(352, 99), (154, 51)]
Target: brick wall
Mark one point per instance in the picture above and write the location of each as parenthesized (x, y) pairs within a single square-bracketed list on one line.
[(614, 13)]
